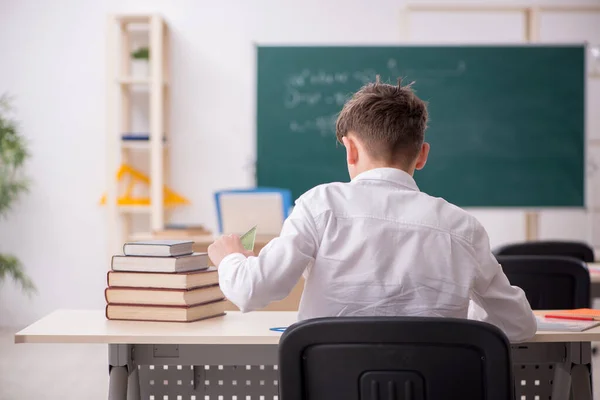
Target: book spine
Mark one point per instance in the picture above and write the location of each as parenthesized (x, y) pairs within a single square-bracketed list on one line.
[(106, 295), (108, 278)]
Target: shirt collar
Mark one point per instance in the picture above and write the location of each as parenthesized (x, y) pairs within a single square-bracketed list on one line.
[(391, 175)]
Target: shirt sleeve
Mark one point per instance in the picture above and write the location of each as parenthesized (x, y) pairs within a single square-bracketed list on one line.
[(494, 300), (252, 283)]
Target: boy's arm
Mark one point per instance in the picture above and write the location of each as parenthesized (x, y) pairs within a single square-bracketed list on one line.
[(251, 283), (494, 300)]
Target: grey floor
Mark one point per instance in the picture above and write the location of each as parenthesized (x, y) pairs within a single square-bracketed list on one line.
[(65, 372)]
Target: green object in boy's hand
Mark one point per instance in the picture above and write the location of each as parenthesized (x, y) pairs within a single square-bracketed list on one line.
[(248, 239)]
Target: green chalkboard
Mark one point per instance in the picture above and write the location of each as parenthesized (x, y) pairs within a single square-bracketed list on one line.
[(506, 122)]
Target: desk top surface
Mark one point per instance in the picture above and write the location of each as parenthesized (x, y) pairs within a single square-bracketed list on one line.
[(91, 326)]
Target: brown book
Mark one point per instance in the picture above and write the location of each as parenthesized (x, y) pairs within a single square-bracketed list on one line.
[(165, 313), (159, 280), (163, 297)]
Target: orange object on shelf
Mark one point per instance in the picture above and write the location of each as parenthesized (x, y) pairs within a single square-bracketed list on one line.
[(135, 177)]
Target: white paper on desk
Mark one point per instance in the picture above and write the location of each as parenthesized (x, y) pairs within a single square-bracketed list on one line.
[(550, 324)]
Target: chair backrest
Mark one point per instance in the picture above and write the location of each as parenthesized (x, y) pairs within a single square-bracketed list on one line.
[(240, 209), (412, 358), (549, 282), (579, 250)]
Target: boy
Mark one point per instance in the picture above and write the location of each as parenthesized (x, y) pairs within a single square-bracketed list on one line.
[(377, 246)]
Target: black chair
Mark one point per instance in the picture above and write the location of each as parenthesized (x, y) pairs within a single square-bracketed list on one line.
[(578, 250), (403, 358), (549, 282)]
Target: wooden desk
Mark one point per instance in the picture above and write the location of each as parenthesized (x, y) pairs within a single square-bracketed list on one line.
[(236, 355)]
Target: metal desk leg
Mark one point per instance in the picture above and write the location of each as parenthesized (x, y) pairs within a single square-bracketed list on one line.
[(121, 369), (133, 385), (561, 387), (581, 382), (117, 386), (574, 373), (581, 376)]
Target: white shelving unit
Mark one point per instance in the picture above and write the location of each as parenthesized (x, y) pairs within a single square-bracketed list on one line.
[(119, 106), (531, 34)]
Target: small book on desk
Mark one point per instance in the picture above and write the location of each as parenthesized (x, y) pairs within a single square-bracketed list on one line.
[(165, 313), (158, 248), (192, 262), (163, 297), (161, 280)]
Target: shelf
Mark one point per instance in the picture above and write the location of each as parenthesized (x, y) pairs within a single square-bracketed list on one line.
[(129, 80), (139, 145), (135, 209), (134, 18), (142, 209), (133, 81), (126, 79)]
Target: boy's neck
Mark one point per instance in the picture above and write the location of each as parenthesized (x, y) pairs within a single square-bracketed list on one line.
[(375, 165)]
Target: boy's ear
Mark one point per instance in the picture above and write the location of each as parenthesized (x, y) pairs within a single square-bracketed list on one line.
[(422, 157), (351, 150)]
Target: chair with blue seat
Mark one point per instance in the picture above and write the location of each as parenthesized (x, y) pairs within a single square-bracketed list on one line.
[(412, 358), (240, 209)]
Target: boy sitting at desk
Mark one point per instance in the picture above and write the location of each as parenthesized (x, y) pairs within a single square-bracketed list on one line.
[(377, 246)]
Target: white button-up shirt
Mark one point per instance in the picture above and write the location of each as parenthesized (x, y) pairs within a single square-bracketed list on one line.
[(377, 246)]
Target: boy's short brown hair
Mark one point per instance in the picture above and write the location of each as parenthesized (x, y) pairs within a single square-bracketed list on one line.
[(389, 120)]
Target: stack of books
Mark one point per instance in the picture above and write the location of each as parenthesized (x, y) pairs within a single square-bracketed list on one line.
[(162, 280)]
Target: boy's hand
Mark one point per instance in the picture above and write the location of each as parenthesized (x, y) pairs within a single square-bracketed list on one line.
[(224, 246)]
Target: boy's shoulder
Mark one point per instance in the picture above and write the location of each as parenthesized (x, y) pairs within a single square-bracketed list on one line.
[(457, 219), (321, 191), (321, 197)]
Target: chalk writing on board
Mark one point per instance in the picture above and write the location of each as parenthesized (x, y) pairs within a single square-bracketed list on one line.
[(295, 98), (325, 125), (322, 88), (306, 77)]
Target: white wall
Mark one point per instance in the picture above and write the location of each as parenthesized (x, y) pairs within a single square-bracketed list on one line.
[(52, 58)]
